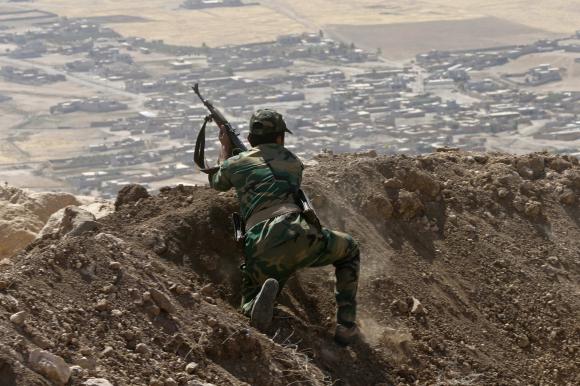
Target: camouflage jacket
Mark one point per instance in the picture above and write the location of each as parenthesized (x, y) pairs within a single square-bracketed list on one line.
[(264, 176)]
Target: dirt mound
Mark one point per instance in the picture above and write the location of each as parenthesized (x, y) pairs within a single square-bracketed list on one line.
[(469, 276), (24, 214)]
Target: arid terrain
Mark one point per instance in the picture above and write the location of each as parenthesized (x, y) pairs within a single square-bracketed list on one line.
[(383, 20), (470, 259), (469, 276)]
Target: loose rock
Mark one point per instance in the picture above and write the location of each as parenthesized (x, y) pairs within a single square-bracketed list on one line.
[(97, 382), (417, 308), (170, 382), (115, 265), (50, 366), (18, 318), (162, 301), (191, 367), (130, 194), (102, 305), (143, 349)]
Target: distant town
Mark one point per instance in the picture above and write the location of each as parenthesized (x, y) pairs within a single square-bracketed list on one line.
[(335, 97)]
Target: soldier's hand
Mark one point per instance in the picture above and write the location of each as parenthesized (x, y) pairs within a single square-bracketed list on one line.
[(224, 138), (226, 142)]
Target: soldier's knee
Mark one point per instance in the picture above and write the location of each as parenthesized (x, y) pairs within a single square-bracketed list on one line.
[(352, 251), (351, 258)]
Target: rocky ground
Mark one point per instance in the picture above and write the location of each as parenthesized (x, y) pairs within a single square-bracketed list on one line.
[(470, 276), (24, 214)]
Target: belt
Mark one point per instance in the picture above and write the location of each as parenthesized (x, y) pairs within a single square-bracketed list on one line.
[(271, 212)]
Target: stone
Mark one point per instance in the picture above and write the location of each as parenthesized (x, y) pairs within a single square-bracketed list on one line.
[(418, 180), (196, 382), (523, 341), (377, 208), (84, 227), (559, 164), (533, 209), (76, 371), (115, 265), (102, 305), (71, 220), (143, 349), (530, 166), (4, 284), (417, 308), (208, 290), (108, 239), (181, 289), (50, 366), (106, 351), (130, 194), (162, 301), (481, 158), (503, 192), (97, 382), (393, 183), (153, 311), (191, 367), (170, 382), (196, 296), (18, 318), (409, 205), (568, 197), (9, 302), (87, 363), (554, 261), (399, 307)]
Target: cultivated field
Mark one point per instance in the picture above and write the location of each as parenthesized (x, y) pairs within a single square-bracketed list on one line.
[(166, 20), (401, 29), (405, 40)]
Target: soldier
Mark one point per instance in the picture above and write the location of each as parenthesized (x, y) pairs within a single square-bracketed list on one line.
[(279, 240)]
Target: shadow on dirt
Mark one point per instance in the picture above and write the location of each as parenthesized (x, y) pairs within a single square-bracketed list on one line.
[(7, 376), (355, 365)]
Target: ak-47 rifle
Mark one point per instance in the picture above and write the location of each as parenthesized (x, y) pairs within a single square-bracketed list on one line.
[(216, 116)]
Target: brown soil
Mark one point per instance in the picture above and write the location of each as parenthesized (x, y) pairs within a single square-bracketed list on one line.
[(469, 277)]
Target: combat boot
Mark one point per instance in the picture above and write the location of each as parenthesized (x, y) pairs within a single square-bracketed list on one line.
[(263, 309), (346, 336)]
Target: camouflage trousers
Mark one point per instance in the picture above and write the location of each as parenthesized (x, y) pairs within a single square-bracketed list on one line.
[(280, 246)]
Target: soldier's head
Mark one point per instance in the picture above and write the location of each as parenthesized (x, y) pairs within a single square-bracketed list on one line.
[(267, 126)]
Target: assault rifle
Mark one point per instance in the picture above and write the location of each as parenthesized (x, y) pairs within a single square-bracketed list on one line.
[(216, 116)]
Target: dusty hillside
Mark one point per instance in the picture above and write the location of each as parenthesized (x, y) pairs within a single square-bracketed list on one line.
[(469, 277)]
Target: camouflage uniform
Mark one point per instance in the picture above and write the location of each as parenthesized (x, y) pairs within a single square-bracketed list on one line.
[(269, 175)]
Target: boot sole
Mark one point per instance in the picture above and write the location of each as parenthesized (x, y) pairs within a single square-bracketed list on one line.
[(263, 310)]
